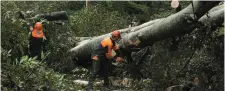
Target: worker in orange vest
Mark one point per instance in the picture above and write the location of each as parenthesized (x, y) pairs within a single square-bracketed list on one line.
[(102, 56), (36, 40)]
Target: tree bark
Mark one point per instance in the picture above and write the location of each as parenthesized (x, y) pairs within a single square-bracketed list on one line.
[(61, 15), (147, 34), (177, 24), (215, 17), (83, 50)]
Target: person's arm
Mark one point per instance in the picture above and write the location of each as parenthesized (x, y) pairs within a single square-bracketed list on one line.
[(31, 28), (117, 57), (109, 53), (116, 49)]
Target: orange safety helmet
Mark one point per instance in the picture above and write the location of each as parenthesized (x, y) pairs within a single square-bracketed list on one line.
[(116, 34), (38, 32)]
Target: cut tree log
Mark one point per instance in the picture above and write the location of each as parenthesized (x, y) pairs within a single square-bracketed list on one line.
[(61, 15), (53, 16), (177, 24)]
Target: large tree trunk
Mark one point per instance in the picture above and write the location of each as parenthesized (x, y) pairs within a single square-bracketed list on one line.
[(174, 25), (53, 16), (62, 15), (147, 34), (214, 17), (84, 48)]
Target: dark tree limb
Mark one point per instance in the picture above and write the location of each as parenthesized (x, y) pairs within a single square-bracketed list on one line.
[(61, 15)]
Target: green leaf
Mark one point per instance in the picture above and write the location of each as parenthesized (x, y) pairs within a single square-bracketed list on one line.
[(42, 55), (23, 59), (34, 58), (34, 62), (61, 78), (30, 59)]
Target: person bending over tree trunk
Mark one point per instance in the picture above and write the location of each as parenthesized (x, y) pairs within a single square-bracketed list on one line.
[(102, 57)]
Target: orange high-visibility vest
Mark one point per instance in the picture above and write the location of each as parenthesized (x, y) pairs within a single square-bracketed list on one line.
[(105, 48), (37, 33)]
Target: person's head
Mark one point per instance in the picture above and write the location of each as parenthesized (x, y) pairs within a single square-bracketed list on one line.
[(115, 35), (38, 26)]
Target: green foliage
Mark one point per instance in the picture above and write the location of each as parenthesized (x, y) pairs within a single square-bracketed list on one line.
[(30, 74), (96, 20), (14, 38), (80, 73), (35, 6), (15, 31), (168, 57)]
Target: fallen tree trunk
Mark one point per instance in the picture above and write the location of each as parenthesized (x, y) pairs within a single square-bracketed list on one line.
[(53, 16), (83, 50), (61, 15), (214, 17), (175, 25)]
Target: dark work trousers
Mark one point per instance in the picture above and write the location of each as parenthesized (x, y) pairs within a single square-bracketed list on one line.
[(36, 47), (100, 67)]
